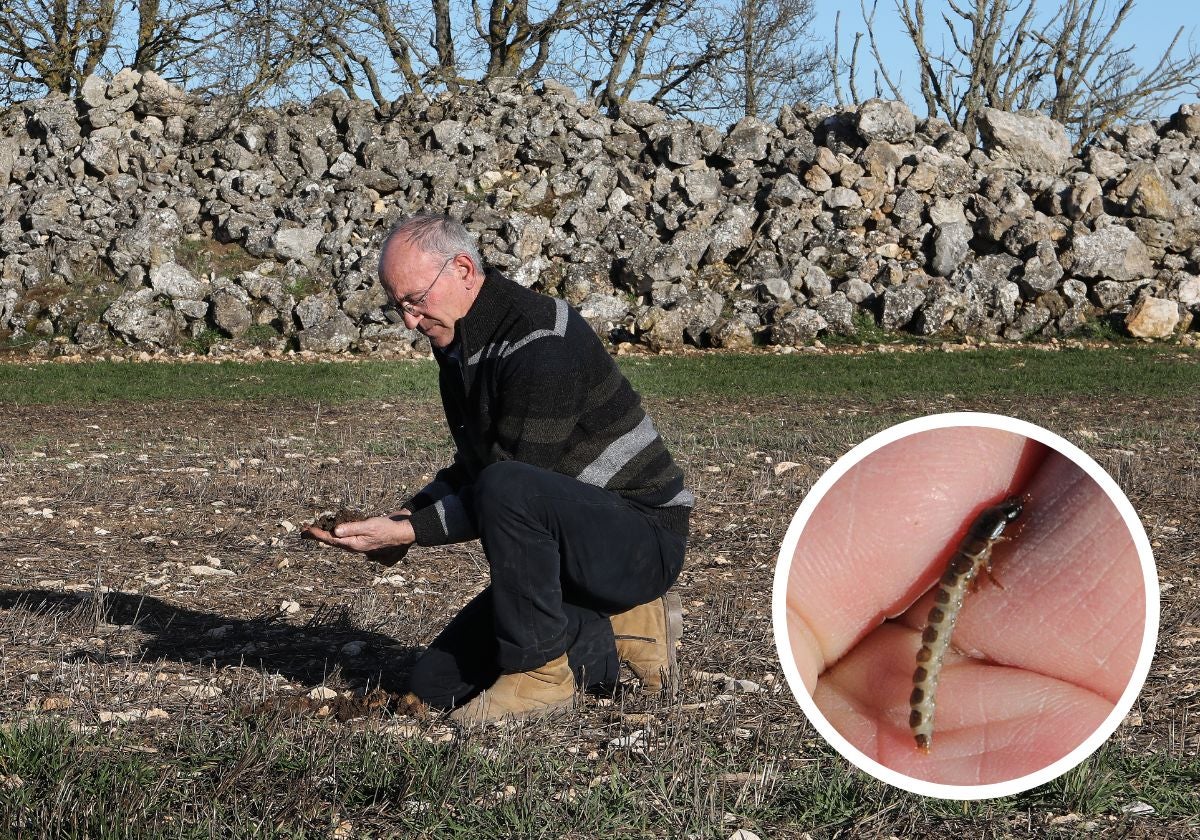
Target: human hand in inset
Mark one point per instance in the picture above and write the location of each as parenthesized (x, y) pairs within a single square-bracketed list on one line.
[(1034, 667)]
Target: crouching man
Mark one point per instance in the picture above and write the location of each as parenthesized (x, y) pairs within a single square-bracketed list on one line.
[(582, 513)]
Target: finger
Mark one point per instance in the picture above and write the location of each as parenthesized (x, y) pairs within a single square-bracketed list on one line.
[(1074, 603), (877, 538), (360, 528), (327, 538), (992, 723), (312, 532)]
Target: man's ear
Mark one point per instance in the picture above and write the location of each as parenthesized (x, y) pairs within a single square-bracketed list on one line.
[(472, 277)]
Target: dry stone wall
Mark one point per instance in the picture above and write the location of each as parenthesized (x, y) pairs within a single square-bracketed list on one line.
[(137, 216)]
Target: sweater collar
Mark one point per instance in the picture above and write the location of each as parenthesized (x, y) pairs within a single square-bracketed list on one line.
[(473, 330)]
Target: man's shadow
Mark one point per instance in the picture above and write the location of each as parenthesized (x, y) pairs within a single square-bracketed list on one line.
[(328, 643)]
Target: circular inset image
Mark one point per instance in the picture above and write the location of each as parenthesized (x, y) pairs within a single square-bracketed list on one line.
[(966, 605)]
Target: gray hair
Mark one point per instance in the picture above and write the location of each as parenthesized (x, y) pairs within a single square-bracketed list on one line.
[(435, 233)]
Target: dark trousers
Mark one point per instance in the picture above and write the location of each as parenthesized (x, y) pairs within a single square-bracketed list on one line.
[(563, 557)]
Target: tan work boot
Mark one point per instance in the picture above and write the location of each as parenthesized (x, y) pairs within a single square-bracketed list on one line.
[(646, 639), (523, 694)]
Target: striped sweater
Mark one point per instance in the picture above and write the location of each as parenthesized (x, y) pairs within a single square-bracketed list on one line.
[(528, 380)]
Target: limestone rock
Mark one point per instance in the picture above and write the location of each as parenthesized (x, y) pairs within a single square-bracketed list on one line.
[(100, 151), (662, 329), (297, 243), (798, 328), (317, 309), (138, 316), (230, 313), (951, 243), (642, 114), (840, 197), (838, 312), (1152, 197), (335, 335), (598, 308), (749, 139), (900, 304), (1027, 142), (734, 334), (1152, 317), (175, 281), (1113, 252), (157, 97), (891, 122), (1189, 293)]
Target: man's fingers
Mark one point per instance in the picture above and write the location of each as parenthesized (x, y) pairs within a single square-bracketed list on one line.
[(312, 532), (363, 527), (321, 535)]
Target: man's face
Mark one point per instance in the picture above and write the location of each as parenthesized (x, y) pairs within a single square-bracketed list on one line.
[(430, 291)]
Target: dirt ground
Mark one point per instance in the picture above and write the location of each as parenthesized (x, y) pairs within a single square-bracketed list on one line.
[(152, 567)]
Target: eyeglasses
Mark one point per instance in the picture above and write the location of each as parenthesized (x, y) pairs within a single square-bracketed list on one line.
[(411, 304)]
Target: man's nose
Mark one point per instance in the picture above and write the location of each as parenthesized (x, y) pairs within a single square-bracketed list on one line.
[(411, 319)]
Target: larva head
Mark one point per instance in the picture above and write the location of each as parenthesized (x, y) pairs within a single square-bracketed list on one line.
[(1013, 507), (993, 520)]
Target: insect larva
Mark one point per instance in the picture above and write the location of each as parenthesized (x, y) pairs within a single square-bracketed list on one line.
[(974, 554)]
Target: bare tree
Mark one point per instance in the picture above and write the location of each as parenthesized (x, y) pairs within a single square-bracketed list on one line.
[(169, 33), (384, 48), (1003, 54), (717, 60), (517, 45), (649, 49), (263, 49), (52, 44), (774, 63), (217, 46)]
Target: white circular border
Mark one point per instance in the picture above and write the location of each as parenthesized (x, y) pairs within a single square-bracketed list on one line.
[(784, 565)]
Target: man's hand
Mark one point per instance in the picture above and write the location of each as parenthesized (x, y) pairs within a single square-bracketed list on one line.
[(385, 539)]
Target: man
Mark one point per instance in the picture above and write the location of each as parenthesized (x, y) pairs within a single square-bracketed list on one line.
[(581, 511)]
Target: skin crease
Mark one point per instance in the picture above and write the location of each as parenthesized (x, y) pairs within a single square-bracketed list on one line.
[(406, 271), (1049, 654)]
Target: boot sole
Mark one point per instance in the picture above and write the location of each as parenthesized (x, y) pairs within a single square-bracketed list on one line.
[(543, 713)]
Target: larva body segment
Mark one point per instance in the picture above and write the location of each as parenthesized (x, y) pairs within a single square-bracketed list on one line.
[(974, 554)]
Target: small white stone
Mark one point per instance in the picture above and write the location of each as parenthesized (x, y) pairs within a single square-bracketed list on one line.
[(209, 571), (743, 834), (201, 692)]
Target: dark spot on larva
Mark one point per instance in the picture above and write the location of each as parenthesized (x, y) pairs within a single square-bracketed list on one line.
[(930, 635), (923, 743), (924, 654), (950, 578), (936, 615), (914, 719), (918, 694), (961, 564), (942, 596), (920, 675)]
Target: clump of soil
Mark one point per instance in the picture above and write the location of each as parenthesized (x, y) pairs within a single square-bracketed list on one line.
[(329, 520)]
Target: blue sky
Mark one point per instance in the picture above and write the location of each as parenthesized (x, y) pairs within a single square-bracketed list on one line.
[(1149, 28)]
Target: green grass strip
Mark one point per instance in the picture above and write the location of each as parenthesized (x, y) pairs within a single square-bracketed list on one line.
[(1144, 371), (1153, 371)]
